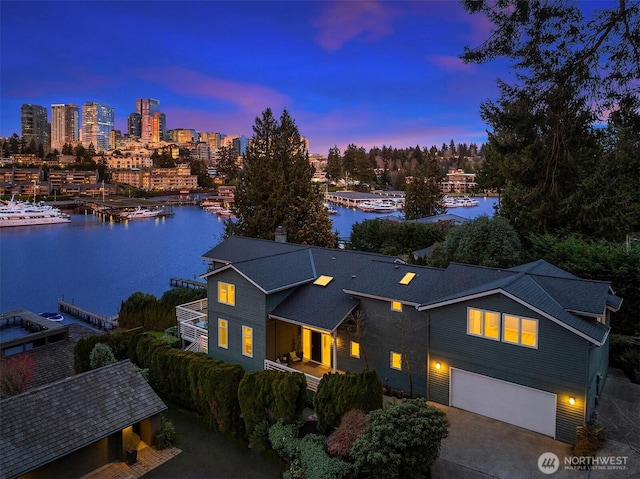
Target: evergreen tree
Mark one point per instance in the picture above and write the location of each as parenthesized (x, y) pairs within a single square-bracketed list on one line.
[(275, 187), (227, 165), (334, 164), (423, 196)]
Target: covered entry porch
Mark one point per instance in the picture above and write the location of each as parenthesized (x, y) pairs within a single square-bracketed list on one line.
[(293, 347)]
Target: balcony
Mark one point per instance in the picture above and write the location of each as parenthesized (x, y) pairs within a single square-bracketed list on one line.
[(193, 325)]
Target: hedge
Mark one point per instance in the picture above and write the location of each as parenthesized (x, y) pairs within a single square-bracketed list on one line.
[(339, 393)]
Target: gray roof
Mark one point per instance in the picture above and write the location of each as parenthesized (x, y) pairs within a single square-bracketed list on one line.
[(46, 423), (561, 296)]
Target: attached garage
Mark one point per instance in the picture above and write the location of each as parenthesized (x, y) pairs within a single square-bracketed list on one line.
[(508, 402)]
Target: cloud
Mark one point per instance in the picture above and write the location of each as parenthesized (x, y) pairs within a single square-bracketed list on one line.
[(250, 97), (342, 21), (450, 63), (74, 79)]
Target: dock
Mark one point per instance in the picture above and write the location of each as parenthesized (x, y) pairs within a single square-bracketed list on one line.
[(99, 320), (186, 283), (351, 199)]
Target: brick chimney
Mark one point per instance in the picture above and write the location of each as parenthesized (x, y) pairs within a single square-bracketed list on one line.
[(281, 234)]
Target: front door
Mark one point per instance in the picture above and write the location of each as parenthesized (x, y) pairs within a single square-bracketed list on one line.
[(316, 346)]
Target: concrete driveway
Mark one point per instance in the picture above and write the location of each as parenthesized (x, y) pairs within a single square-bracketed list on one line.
[(479, 447)]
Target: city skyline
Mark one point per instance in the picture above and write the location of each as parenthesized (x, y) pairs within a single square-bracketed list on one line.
[(366, 72)]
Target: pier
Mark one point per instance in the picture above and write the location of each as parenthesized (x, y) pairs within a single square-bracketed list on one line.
[(186, 283), (99, 320), (351, 199)]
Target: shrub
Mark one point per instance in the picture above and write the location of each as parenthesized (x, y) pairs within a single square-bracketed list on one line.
[(194, 380), (269, 396), (339, 393), (118, 342), (317, 464), (400, 441), (351, 427), (101, 355), (589, 439), (16, 374), (284, 439), (168, 430)]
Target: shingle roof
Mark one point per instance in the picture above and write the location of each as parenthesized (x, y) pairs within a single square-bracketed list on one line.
[(46, 423), (553, 292)]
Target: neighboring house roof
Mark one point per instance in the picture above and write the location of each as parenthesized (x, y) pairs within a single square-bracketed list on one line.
[(46, 423), (552, 292), (455, 219)]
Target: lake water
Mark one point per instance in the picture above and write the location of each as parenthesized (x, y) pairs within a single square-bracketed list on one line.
[(97, 265)]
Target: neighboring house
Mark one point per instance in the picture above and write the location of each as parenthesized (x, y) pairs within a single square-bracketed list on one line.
[(78, 424), (526, 345)]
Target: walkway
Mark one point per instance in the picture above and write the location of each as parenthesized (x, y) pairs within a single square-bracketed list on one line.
[(148, 459)]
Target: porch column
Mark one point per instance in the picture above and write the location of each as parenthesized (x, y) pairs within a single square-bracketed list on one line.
[(334, 346)]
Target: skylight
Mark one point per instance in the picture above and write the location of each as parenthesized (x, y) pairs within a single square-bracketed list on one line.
[(323, 280), (406, 279)]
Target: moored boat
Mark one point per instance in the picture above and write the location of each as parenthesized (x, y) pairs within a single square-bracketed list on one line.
[(24, 213), (141, 213), (57, 317)]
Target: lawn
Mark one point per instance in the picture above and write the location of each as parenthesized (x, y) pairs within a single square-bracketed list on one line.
[(210, 455)]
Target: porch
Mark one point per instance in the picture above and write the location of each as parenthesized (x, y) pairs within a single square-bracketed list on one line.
[(311, 370), (193, 328)]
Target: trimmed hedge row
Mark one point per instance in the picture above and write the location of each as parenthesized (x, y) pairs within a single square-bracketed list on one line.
[(339, 393), (194, 380), (269, 396)]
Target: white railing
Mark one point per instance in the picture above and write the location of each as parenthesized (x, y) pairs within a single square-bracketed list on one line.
[(195, 335), (312, 381), (193, 311)]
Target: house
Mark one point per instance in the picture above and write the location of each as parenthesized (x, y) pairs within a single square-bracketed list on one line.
[(78, 424), (526, 345)]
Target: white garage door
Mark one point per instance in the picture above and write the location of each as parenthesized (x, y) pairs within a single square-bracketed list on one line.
[(519, 405)]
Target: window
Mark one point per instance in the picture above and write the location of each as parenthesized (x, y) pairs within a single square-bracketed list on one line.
[(396, 361), (483, 323), (226, 293), (520, 331), (396, 306), (323, 280), (355, 349), (406, 279), (223, 341), (247, 341)]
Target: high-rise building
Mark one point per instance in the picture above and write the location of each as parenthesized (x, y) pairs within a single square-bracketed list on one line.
[(134, 125), (97, 123), (147, 107), (158, 127), (65, 123), (34, 125)]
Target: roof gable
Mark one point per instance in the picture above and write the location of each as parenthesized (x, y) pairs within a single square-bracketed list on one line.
[(46, 423)]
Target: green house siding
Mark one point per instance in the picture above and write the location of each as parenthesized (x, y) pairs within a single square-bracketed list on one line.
[(386, 331), (249, 310), (598, 365), (559, 364)]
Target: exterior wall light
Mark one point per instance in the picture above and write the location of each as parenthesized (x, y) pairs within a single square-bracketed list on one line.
[(438, 366), (572, 400)]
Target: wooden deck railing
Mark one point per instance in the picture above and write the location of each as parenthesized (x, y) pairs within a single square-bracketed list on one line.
[(312, 381)]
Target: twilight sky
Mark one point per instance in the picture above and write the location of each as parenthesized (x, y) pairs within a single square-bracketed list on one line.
[(369, 73)]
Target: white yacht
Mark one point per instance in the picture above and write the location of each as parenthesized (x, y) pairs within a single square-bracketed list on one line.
[(24, 213), (141, 213)]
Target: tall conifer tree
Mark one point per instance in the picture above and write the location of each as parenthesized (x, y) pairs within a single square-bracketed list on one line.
[(275, 187)]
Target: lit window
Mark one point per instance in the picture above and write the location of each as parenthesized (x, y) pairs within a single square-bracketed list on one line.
[(406, 279), (355, 349), (247, 341), (323, 280), (520, 331), (396, 361), (511, 331), (226, 293), (223, 341), (396, 306), (483, 323)]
